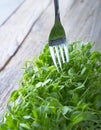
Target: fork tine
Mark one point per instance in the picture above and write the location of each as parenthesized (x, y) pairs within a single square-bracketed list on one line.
[(66, 52), (62, 55), (57, 53), (53, 56)]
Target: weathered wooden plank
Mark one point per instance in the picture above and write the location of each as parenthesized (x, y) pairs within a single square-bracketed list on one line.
[(17, 28), (82, 20), (32, 46), (7, 8)]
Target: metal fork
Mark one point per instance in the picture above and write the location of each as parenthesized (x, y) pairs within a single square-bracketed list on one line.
[(57, 40)]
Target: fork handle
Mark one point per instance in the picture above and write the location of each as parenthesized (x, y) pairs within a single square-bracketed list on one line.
[(57, 13)]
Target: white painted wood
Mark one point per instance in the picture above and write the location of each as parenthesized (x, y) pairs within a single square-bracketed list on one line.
[(82, 20), (7, 7), (17, 28), (32, 46)]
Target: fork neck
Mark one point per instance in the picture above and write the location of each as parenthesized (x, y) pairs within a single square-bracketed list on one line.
[(57, 13)]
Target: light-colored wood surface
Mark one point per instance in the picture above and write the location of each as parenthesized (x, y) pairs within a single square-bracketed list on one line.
[(7, 8), (13, 58), (27, 32), (82, 20), (18, 27)]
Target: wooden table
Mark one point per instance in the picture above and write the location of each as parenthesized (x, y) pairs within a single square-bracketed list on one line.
[(7, 8), (24, 34)]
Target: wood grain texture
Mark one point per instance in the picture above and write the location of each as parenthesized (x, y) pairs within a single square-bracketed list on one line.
[(32, 46), (8, 8), (81, 19), (17, 28)]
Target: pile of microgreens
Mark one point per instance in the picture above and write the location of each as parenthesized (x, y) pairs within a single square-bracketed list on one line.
[(66, 100)]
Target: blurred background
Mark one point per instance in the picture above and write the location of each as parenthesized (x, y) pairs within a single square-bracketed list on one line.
[(7, 7), (25, 27)]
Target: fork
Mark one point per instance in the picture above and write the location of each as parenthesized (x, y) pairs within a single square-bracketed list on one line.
[(57, 40)]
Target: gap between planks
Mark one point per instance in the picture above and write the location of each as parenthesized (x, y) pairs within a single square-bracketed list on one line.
[(33, 44), (12, 13), (17, 27), (24, 38)]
